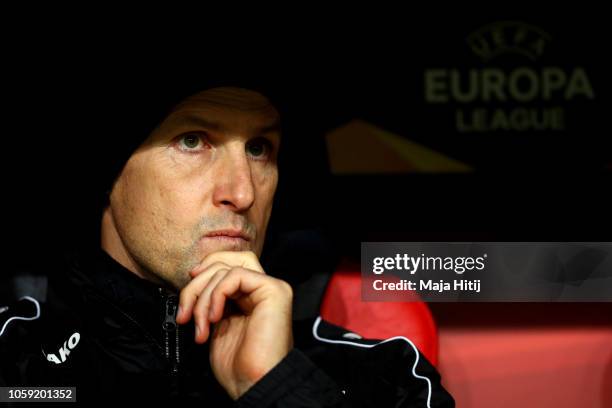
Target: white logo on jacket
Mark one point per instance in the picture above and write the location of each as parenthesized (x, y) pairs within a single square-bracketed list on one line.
[(64, 350)]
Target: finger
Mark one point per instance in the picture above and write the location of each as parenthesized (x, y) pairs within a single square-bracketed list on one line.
[(189, 294), (200, 310), (250, 288), (243, 259)]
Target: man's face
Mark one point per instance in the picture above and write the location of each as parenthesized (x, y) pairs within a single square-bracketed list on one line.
[(203, 181)]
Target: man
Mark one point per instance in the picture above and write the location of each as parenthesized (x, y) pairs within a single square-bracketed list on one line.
[(176, 305)]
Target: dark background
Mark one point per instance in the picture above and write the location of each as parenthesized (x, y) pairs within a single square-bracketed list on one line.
[(68, 86)]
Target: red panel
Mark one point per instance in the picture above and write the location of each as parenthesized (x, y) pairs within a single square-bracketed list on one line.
[(528, 366)]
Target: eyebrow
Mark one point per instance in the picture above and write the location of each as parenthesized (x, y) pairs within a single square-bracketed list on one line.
[(198, 120)]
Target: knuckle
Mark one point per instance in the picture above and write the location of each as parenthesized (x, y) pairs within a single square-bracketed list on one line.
[(284, 287), (216, 268), (236, 270), (287, 287)]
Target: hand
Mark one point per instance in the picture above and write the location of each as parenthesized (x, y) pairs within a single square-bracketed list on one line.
[(250, 339)]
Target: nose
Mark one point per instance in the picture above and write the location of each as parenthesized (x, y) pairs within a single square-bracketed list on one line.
[(234, 187)]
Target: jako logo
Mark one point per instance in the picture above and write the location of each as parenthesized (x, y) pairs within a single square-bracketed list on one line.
[(64, 351)]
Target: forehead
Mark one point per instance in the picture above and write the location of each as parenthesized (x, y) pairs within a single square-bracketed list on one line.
[(227, 107)]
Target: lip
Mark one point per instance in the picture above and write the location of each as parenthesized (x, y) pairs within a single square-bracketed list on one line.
[(232, 234)]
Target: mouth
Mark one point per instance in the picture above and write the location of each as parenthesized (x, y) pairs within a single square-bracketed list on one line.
[(230, 236)]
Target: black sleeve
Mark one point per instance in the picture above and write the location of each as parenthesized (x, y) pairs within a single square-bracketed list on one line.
[(294, 382), (383, 376)]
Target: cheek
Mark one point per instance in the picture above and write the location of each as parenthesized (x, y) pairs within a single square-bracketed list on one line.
[(179, 198), (266, 183), (265, 189), (132, 195), (159, 202)]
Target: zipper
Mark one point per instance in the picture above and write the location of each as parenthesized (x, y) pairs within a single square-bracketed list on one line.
[(171, 330)]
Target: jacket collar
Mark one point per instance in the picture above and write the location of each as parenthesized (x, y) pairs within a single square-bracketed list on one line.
[(105, 281)]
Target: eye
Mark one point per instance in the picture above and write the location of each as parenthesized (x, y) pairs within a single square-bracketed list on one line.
[(191, 142), (259, 148)]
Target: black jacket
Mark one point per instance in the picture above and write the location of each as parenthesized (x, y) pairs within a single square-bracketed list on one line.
[(113, 336)]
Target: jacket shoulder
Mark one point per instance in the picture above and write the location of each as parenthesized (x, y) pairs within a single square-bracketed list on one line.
[(15, 316), (373, 368)]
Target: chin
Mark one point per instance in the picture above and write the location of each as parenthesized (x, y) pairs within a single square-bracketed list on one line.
[(181, 281)]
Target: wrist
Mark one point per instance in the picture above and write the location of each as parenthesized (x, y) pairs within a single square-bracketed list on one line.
[(254, 376)]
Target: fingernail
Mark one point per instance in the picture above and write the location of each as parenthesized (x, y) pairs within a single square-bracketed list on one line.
[(179, 312), (197, 330)]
